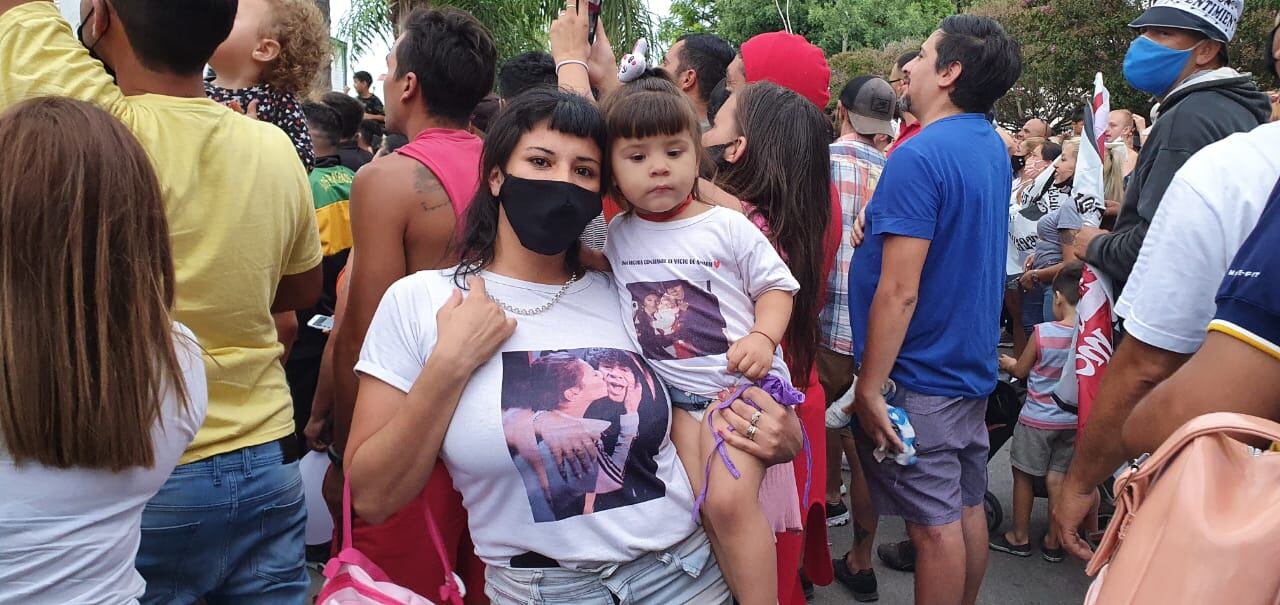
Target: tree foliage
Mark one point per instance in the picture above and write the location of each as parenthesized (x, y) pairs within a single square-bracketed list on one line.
[(844, 25), (517, 25), (835, 25), (1065, 42), (866, 62)]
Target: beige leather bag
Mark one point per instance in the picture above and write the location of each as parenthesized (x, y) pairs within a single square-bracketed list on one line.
[(1196, 523)]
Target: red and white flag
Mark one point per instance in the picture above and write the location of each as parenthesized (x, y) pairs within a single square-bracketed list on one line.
[(1088, 188), (1094, 340)]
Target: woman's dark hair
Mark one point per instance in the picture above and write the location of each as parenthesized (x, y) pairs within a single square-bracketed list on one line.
[(550, 376), (785, 173), (1050, 151), (87, 350), (648, 107), (718, 96), (561, 111), (991, 61)]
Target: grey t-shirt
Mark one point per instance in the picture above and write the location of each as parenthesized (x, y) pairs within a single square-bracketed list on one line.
[(1049, 235)]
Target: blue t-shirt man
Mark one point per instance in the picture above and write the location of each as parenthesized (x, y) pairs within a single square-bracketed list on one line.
[(950, 184)]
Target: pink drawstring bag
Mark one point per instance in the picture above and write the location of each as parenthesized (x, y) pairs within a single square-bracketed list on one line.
[(352, 579)]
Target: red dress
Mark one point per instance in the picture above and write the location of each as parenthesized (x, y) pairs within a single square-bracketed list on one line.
[(809, 549)]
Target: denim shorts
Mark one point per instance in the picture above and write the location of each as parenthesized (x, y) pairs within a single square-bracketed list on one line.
[(950, 472), (227, 529), (684, 573), (694, 404)]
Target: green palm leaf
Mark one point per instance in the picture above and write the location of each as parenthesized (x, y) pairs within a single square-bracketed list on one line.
[(516, 25)]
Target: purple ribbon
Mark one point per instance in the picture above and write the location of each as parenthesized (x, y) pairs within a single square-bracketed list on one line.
[(783, 393)]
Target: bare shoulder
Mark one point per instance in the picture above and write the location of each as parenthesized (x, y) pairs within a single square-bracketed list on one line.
[(400, 182)]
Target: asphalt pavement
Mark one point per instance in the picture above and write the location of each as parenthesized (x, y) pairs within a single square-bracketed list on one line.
[(1010, 580)]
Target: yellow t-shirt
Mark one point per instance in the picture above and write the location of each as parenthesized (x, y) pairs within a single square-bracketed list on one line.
[(240, 218)]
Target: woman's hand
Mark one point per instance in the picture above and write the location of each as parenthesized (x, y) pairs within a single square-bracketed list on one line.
[(471, 330), (602, 65), (1027, 281), (568, 441), (631, 402), (568, 33), (778, 436)]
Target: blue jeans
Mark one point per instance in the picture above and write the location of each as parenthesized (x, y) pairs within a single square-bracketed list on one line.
[(227, 529), (686, 573), (1037, 307)]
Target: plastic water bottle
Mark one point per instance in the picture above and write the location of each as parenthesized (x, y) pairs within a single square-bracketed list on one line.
[(837, 418)]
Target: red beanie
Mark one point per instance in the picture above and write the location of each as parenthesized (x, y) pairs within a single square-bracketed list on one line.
[(790, 61)]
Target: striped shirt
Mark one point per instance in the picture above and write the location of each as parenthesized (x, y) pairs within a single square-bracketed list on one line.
[(1053, 340), (855, 170)]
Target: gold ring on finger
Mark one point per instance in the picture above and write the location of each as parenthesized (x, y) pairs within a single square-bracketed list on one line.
[(751, 432), (755, 418)]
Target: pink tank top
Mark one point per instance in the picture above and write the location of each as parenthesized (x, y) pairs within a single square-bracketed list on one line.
[(454, 157)]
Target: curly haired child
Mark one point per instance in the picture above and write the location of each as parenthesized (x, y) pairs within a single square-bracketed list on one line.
[(271, 58)]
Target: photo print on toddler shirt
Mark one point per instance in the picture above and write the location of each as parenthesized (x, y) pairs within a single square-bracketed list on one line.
[(677, 320), (601, 417)]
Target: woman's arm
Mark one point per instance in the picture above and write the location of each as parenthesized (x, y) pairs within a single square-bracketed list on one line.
[(1046, 275), (1225, 375), (396, 436), (569, 49)]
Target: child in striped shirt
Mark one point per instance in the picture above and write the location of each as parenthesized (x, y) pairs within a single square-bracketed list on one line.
[(1044, 439)]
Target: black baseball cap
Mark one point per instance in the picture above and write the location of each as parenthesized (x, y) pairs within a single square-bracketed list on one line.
[(871, 105)]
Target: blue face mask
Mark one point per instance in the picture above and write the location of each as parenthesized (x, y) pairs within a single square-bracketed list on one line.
[(1153, 68)]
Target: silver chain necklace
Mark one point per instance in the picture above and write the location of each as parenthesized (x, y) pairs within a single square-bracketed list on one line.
[(540, 308)]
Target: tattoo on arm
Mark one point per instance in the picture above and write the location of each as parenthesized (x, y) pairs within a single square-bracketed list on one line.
[(427, 186)]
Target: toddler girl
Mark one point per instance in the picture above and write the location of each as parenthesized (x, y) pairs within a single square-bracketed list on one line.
[(723, 302), (272, 56)]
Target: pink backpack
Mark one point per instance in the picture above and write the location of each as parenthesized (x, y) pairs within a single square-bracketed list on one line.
[(352, 579), (1196, 522)]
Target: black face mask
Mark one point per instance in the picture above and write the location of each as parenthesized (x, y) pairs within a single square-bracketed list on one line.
[(92, 53), (548, 216), (717, 156), (1018, 162)]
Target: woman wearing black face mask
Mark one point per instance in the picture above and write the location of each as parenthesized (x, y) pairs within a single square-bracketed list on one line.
[(490, 366)]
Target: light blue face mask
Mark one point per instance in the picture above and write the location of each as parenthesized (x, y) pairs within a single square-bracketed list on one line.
[(1153, 68)]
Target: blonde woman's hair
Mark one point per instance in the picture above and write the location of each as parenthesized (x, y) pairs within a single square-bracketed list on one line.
[(305, 46), (86, 284), (1033, 144), (1071, 146), (1113, 171)]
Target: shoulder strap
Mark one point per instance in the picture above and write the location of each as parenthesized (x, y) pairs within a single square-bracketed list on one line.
[(450, 592)]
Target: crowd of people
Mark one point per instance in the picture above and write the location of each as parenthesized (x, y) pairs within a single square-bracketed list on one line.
[(586, 334)]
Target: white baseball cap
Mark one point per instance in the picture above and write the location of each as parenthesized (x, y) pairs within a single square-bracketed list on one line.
[(1216, 19)]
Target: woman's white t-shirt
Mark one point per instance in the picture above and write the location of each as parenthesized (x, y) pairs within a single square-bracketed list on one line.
[(71, 535), (577, 517)]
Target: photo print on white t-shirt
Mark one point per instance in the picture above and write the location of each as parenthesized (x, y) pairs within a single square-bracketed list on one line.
[(604, 397), (677, 320)]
